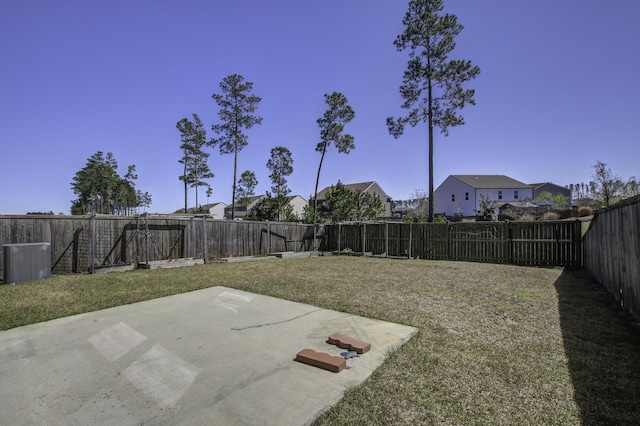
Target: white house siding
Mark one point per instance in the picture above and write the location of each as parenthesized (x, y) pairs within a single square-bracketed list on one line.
[(456, 197), (451, 197), (298, 203), (503, 195), (217, 210)]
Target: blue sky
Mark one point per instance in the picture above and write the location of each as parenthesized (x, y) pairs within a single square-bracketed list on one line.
[(558, 91)]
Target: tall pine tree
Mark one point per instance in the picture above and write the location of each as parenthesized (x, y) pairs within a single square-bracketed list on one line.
[(331, 124), (194, 139), (432, 86), (237, 108)]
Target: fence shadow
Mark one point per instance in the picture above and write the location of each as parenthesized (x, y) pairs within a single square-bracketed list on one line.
[(602, 346)]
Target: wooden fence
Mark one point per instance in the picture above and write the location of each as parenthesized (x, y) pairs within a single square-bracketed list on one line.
[(612, 252), (556, 243), (83, 243)]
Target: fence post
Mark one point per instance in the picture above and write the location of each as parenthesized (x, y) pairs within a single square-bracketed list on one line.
[(339, 237), (449, 227), (508, 240), (204, 239), (91, 251), (410, 238), (190, 239), (146, 240), (364, 238), (386, 238)]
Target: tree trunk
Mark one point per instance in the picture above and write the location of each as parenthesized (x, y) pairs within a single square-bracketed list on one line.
[(430, 94), (315, 197), (185, 181), (233, 195)]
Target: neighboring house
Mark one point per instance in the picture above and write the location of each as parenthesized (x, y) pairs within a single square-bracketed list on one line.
[(241, 209), (416, 207), (364, 187), (461, 194), (216, 210), (296, 201), (551, 188)]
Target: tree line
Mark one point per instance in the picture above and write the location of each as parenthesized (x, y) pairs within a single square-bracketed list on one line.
[(100, 188), (605, 188), (237, 113)]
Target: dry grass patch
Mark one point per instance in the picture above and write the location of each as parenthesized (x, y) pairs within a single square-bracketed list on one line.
[(497, 344)]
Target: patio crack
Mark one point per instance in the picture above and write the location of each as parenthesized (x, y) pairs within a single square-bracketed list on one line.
[(277, 322)]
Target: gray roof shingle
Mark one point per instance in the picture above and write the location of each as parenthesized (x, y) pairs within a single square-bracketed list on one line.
[(490, 181)]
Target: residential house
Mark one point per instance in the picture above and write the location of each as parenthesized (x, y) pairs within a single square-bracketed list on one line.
[(364, 187), (551, 188), (461, 194), (240, 209), (216, 210), (297, 203)]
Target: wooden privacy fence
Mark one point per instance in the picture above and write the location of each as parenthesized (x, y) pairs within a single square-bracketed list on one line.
[(556, 243), (612, 252), (83, 243)]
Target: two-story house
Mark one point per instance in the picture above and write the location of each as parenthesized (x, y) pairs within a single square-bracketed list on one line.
[(461, 194)]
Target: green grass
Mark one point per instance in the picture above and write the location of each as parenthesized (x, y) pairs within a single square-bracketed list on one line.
[(497, 344)]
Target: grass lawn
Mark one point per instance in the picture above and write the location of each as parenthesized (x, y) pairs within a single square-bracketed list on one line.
[(497, 344)]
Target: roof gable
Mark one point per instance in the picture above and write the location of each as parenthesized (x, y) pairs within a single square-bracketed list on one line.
[(370, 187), (251, 200)]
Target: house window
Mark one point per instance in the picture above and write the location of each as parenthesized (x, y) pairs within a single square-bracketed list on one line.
[(515, 195), (453, 198), (499, 195), (466, 196)]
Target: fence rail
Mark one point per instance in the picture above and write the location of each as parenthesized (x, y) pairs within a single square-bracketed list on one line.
[(556, 243)]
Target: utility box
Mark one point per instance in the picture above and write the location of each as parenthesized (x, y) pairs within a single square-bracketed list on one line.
[(26, 262)]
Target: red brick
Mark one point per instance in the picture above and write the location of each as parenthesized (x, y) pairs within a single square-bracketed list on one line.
[(322, 360), (349, 343)]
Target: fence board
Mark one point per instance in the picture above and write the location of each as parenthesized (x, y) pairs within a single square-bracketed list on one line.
[(526, 243), (115, 240), (80, 243), (612, 252)]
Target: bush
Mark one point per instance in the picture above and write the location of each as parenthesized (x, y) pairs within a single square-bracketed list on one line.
[(488, 210), (550, 216), (527, 218), (440, 218), (585, 211)]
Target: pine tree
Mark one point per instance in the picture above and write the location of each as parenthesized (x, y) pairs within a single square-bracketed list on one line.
[(237, 108), (194, 139), (332, 125), (432, 86)]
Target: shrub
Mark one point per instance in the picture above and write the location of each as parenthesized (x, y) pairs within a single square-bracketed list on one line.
[(487, 211), (527, 218), (550, 216), (585, 211)]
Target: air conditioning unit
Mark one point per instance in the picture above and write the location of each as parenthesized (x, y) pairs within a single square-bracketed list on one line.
[(26, 262)]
